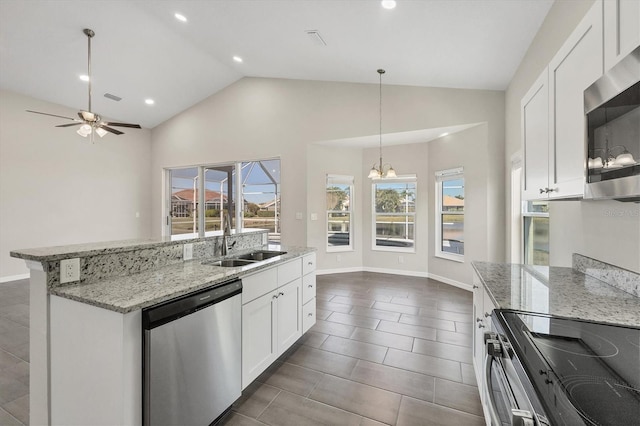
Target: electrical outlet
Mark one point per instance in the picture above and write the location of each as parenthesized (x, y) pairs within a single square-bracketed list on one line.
[(187, 251), (69, 270), (400, 259), (314, 216)]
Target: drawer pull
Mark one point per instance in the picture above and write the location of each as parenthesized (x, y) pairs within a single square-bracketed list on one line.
[(310, 263), (275, 296), (310, 314), (281, 294), (475, 286), (481, 325), (310, 286)]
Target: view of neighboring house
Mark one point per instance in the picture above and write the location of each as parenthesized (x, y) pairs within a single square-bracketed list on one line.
[(270, 205), (450, 203), (184, 201)]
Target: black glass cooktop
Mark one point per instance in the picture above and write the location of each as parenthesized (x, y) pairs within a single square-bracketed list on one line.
[(588, 368)]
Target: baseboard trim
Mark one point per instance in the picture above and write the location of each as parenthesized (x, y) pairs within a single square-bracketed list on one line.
[(14, 278), (339, 270), (421, 274), (449, 281)]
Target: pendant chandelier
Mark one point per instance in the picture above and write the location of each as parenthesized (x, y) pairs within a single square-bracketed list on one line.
[(381, 170)]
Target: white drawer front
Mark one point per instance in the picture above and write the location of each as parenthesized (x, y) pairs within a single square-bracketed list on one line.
[(289, 271), (308, 315), (254, 286), (308, 287), (308, 263)]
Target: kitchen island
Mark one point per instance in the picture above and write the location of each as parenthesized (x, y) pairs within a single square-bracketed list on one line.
[(86, 336)]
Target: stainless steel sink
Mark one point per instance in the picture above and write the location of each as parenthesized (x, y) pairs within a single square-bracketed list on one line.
[(260, 255), (228, 263)]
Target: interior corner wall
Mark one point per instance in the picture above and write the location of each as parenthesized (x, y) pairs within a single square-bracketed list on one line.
[(323, 160), (604, 230), (257, 118), (57, 188)]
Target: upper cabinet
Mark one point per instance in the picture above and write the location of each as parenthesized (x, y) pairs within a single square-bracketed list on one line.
[(621, 29), (552, 114)]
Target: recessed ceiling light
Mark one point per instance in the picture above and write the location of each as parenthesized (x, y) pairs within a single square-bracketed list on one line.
[(180, 17), (237, 59), (84, 77), (149, 101), (388, 4)]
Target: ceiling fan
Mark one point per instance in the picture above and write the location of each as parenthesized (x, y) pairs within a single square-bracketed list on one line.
[(91, 122)]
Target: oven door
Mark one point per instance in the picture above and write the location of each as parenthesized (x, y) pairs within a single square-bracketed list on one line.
[(507, 398)]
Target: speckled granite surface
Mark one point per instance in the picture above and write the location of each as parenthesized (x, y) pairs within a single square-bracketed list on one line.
[(621, 278), (557, 291), (136, 291)]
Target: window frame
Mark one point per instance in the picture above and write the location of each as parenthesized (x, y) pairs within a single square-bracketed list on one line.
[(400, 179), (443, 176), (332, 179)]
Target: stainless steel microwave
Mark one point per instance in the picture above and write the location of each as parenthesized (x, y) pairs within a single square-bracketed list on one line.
[(612, 107)]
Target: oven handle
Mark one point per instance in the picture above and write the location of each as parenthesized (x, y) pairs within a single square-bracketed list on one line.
[(518, 417)]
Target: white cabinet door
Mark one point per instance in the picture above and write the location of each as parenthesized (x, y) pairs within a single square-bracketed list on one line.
[(534, 115), (289, 314), (259, 344), (621, 29), (578, 63)]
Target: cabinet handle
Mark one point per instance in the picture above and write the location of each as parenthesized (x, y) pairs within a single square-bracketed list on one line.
[(281, 294), (310, 286), (275, 296), (543, 190), (475, 286), (310, 263), (309, 314), (478, 319), (481, 325), (487, 314)]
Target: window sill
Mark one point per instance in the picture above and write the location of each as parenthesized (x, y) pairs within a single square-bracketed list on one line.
[(394, 249), (449, 256), (335, 249)]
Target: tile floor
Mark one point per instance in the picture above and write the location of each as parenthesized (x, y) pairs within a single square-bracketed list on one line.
[(386, 349)]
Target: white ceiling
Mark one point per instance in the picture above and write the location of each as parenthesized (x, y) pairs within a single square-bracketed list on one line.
[(141, 51)]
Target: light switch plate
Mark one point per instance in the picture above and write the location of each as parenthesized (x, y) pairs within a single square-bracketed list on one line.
[(298, 216), (69, 270), (187, 251), (314, 216)]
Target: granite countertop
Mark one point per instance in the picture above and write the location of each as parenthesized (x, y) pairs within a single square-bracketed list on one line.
[(557, 291), (136, 291)]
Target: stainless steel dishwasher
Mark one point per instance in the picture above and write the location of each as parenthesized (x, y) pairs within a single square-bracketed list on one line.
[(192, 357)]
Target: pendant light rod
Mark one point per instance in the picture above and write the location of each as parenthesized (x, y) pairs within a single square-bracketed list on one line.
[(380, 72), (89, 33), (378, 172)]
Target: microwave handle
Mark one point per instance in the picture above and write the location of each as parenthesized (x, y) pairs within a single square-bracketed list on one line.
[(518, 417)]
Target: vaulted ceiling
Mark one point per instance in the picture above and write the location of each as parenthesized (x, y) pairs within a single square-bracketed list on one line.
[(141, 51)]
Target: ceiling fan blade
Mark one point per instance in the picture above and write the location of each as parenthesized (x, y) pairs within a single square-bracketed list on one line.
[(69, 125), (52, 115), (133, 126), (109, 129)]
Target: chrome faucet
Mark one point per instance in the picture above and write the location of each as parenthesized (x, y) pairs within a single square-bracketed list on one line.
[(226, 225)]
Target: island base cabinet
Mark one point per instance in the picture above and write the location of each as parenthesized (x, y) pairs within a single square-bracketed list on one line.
[(96, 370), (259, 345), (289, 314)]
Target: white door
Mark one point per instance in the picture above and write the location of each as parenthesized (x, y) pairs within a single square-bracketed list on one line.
[(534, 115)]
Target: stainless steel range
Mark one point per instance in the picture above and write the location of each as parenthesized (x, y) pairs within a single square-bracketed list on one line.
[(544, 370)]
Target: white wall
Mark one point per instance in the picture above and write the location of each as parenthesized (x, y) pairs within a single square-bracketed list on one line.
[(263, 118), (57, 188), (605, 230)]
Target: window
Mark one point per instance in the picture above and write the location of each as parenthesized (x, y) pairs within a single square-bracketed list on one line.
[(198, 196), (535, 216), (339, 217), (450, 214), (394, 212)]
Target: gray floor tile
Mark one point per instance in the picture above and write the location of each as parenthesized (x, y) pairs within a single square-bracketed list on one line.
[(19, 409), (393, 379), (468, 375), (407, 330), (424, 364), (333, 328), (428, 322), (459, 396), (454, 338), (11, 389), (383, 339), (255, 399), (313, 339), (235, 419), (322, 314), (357, 398), (375, 313), (394, 307), (333, 307), (353, 301), (7, 419), (293, 410), (453, 316), (354, 348), (293, 378), (8, 360), (464, 327), (354, 320), (414, 412), (417, 301), (443, 350), (324, 361)]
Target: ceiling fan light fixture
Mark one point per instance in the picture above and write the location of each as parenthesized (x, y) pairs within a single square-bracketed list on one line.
[(373, 173), (84, 130), (101, 132), (391, 173)]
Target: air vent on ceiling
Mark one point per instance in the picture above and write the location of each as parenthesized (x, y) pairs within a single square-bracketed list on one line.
[(314, 36), (112, 97)]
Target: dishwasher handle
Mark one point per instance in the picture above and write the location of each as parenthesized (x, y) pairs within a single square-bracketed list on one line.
[(158, 315)]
